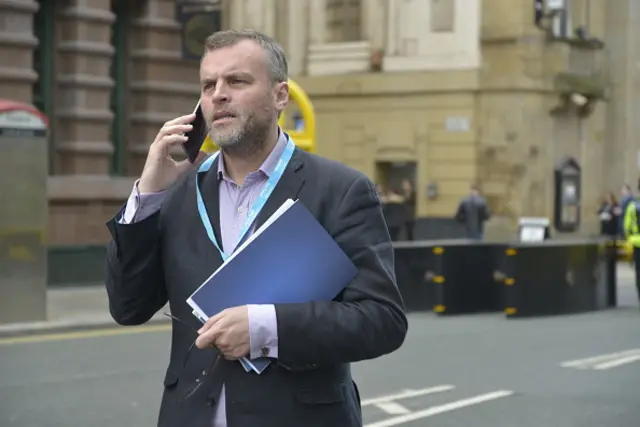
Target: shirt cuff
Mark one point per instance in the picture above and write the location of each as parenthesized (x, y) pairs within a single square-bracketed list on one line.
[(263, 331), (141, 206)]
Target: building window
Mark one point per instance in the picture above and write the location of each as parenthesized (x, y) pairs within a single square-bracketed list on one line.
[(118, 72), (443, 13), (43, 64), (561, 25), (344, 19)]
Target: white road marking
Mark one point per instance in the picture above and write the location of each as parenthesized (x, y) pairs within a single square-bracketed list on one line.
[(392, 408), (618, 362), (439, 409), (591, 362), (406, 394)]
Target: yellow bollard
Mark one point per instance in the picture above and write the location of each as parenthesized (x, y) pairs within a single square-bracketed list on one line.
[(305, 139)]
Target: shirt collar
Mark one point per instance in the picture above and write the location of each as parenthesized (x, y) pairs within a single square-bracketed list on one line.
[(270, 162)]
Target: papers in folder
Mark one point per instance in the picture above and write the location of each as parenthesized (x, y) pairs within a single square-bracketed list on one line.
[(291, 258)]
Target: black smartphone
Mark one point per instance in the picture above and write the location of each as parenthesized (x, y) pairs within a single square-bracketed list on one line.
[(196, 135)]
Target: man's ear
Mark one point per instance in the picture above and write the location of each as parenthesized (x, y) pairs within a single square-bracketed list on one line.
[(282, 95)]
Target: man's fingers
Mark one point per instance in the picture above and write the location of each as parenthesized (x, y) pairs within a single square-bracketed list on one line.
[(172, 135), (173, 129), (188, 118), (210, 322), (207, 338), (172, 139), (183, 165), (165, 143), (204, 341)]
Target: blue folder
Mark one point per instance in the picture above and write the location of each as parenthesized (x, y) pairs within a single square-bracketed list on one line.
[(290, 259)]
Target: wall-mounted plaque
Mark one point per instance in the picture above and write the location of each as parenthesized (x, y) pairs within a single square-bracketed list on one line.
[(198, 21)]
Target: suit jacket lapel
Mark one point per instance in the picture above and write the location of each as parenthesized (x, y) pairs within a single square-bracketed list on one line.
[(288, 188), (210, 195)]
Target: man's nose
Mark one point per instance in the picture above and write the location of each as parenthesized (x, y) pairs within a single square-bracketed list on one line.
[(220, 95)]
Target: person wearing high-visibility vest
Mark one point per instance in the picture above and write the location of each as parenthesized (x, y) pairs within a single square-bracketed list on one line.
[(631, 226)]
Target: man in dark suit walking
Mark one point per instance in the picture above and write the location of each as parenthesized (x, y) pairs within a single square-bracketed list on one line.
[(166, 243)]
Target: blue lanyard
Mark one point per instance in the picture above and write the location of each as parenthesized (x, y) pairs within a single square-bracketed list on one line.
[(257, 205)]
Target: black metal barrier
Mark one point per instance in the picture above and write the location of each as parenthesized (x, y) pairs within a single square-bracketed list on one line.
[(521, 279), (556, 277), (449, 276)]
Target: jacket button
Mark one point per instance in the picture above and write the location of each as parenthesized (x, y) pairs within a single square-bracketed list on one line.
[(264, 351)]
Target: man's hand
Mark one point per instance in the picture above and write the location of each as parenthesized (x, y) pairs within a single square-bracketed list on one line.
[(160, 170), (228, 331)]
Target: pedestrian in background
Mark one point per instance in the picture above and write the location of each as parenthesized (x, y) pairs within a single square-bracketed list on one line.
[(609, 215), (631, 227), (395, 212), (472, 213), (409, 195), (626, 197)]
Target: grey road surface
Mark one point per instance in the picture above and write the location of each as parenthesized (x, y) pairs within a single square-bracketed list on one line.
[(475, 371)]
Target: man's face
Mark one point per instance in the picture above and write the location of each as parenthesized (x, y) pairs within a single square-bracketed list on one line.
[(239, 101)]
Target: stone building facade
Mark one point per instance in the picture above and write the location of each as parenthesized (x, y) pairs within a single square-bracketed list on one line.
[(465, 90)]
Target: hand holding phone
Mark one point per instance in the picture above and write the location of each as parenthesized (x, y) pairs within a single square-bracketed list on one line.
[(160, 170), (196, 136)]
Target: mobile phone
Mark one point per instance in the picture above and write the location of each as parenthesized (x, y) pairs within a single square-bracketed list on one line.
[(196, 135)]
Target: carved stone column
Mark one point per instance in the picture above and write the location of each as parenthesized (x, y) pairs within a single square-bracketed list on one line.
[(297, 35), (17, 43), (255, 14), (85, 51), (374, 23), (317, 22)]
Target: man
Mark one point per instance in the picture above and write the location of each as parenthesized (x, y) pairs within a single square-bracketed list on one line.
[(409, 195), (473, 212), (631, 230), (163, 249), (626, 197), (394, 212)]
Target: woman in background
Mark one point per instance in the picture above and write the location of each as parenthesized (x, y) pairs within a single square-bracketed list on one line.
[(394, 210), (609, 214)]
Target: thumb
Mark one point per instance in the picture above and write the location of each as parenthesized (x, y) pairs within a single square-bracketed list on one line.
[(183, 166)]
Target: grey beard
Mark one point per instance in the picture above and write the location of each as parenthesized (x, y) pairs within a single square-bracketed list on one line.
[(249, 143)]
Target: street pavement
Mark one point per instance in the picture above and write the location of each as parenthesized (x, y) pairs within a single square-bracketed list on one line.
[(71, 308), (476, 371)]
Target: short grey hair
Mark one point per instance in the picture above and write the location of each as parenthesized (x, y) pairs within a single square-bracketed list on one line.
[(276, 58)]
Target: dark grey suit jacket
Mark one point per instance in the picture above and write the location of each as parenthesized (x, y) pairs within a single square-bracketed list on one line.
[(168, 255)]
